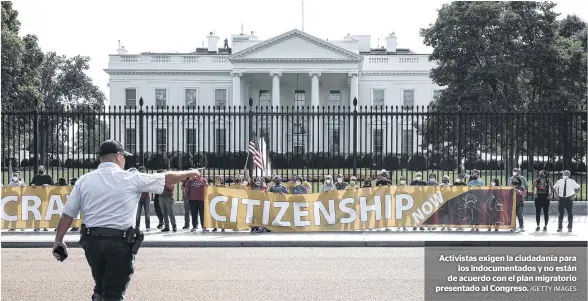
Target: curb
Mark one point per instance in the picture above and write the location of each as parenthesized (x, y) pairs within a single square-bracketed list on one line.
[(580, 208), (321, 244)]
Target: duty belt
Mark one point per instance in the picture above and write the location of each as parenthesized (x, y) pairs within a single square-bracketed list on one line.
[(100, 231)]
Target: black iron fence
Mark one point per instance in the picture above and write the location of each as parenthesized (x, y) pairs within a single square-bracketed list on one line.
[(307, 141)]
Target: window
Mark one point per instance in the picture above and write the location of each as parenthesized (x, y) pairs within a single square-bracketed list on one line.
[(334, 97), (265, 98), (131, 140), (407, 135), (299, 98), (220, 97), (436, 94), (161, 140), (191, 137), (378, 142), (130, 98), (408, 98), (191, 97), (334, 140), (378, 97), (299, 144), (160, 97), (219, 140)]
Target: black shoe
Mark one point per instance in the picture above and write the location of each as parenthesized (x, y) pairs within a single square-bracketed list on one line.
[(569, 229), (223, 230), (214, 230), (544, 228), (538, 228), (174, 228), (166, 229), (559, 229), (160, 226), (186, 227)]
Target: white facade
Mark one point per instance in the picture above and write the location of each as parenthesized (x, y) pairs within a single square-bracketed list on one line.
[(275, 72)]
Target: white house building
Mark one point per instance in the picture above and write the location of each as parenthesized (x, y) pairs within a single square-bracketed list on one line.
[(292, 69)]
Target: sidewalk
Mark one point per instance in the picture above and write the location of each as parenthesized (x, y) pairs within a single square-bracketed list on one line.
[(185, 238)]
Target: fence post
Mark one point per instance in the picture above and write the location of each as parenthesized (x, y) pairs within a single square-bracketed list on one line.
[(565, 139), (355, 136), (141, 135), (459, 169), (251, 135), (36, 135)]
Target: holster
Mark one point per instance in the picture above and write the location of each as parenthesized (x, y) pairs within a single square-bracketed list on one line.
[(135, 238)]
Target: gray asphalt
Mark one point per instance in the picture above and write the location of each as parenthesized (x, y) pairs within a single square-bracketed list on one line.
[(227, 274)]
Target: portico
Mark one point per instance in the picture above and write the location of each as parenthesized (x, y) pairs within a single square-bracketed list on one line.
[(295, 69)]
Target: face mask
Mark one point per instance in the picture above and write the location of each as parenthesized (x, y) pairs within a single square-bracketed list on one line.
[(432, 179), (418, 178), (278, 182), (402, 182), (515, 174), (245, 183), (328, 181), (14, 179), (565, 177), (492, 184), (352, 182), (298, 182), (458, 180), (339, 180)]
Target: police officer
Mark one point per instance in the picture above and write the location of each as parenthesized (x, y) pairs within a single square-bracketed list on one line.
[(107, 197)]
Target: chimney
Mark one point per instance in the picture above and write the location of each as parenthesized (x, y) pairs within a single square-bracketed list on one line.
[(348, 38), (212, 42), (121, 50), (391, 42)]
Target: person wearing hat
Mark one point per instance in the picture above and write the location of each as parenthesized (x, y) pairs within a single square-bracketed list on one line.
[(353, 184), (461, 180), (328, 184), (383, 180), (516, 172), (445, 181), (566, 190), (107, 198), (340, 184)]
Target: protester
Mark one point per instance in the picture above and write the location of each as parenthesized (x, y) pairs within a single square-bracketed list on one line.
[(41, 179), (353, 184), (291, 182), (445, 181), (521, 193), (16, 181), (278, 187), (195, 191), (340, 185), (144, 202), (258, 184), (403, 182), (495, 182), (298, 187), (186, 202), (460, 181), (516, 172), (384, 180), (432, 180), (566, 189), (367, 182), (157, 207), (418, 180), (328, 184), (73, 181), (542, 192), (166, 202), (475, 180), (218, 182)]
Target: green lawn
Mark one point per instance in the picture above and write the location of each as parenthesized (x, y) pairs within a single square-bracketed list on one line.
[(316, 174)]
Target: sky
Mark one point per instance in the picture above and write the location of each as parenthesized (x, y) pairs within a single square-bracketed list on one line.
[(93, 28)]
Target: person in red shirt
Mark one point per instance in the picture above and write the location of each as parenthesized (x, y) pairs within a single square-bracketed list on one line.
[(144, 201), (195, 190)]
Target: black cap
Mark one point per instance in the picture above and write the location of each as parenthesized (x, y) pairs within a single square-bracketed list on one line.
[(112, 147)]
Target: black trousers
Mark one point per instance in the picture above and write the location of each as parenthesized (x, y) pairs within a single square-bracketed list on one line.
[(197, 210), (158, 209), (565, 204), (112, 263), (542, 203)]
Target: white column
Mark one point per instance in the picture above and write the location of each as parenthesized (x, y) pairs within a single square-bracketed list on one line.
[(354, 89), (278, 137), (237, 88), (276, 88), (314, 96)]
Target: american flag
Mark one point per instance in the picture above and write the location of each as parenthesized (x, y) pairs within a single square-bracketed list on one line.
[(258, 152)]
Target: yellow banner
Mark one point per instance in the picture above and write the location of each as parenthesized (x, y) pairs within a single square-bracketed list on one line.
[(364, 208), (33, 207)]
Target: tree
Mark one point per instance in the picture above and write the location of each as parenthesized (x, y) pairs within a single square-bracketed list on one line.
[(55, 86), (500, 56)]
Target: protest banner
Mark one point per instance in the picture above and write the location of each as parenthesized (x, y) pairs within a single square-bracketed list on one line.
[(363, 208), (34, 207)]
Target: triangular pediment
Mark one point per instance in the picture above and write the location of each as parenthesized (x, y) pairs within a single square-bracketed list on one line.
[(295, 45)]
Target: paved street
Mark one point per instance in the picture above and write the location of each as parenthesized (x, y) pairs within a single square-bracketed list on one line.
[(227, 274)]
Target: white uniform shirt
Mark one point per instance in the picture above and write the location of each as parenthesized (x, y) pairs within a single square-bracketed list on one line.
[(570, 186), (108, 196)]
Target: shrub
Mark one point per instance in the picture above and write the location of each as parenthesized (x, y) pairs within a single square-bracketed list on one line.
[(581, 167), (392, 162), (493, 165), (417, 162), (24, 162), (448, 164)]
